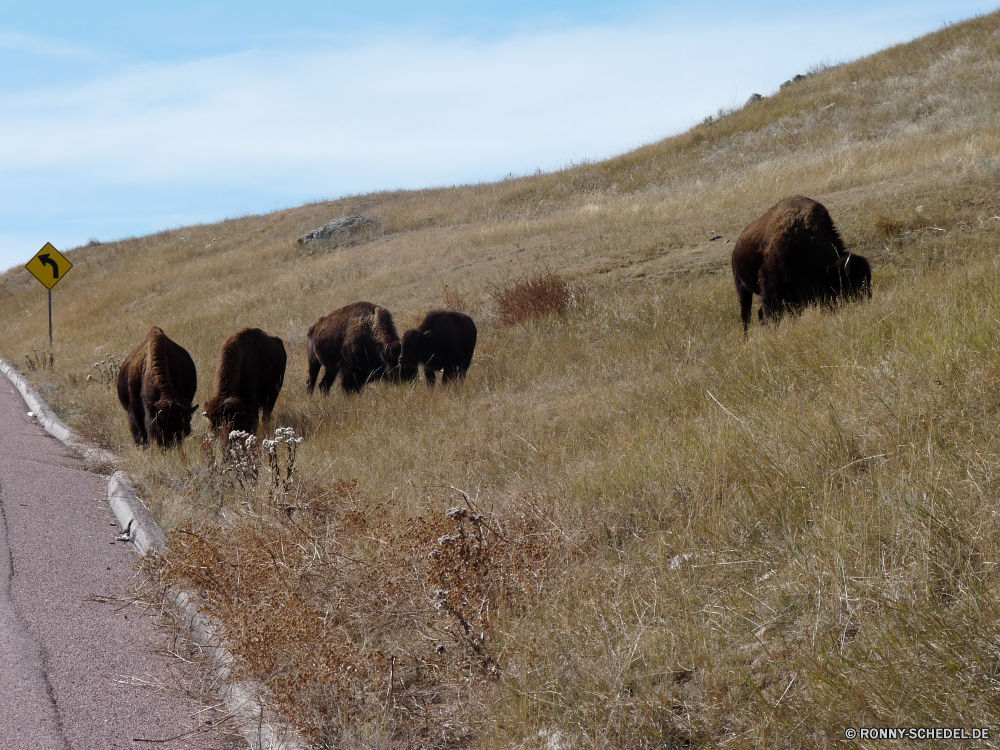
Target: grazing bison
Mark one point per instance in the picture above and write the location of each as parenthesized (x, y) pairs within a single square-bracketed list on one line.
[(251, 372), (444, 341), (359, 341), (793, 256), (156, 385)]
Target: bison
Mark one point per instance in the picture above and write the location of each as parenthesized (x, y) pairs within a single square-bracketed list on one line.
[(156, 385), (359, 341), (251, 372), (444, 341), (793, 256)]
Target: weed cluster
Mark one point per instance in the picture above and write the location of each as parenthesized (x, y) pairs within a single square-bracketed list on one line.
[(36, 361), (239, 466), (107, 371), (542, 294)]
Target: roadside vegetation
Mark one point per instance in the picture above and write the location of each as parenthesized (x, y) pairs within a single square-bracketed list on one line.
[(629, 526)]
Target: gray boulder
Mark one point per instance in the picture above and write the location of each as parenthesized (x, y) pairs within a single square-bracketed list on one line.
[(795, 79), (343, 225), (753, 98)]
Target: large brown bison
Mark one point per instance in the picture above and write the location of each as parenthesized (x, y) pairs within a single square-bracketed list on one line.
[(793, 256), (444, 341), (156, 385), (251, 372), (359, 341)]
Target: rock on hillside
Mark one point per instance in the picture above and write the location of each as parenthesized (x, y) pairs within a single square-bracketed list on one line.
[(343, 225)]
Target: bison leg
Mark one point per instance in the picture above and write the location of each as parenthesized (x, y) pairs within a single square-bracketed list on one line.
[(451, 372), (137, 424), (355, 379), (267, 404), (772, 298), (429, 375), (136, 410), (314, 366), (150, 428), (328, 377), (746, 305), (466, 364)]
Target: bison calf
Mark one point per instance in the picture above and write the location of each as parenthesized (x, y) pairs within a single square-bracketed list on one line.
[(359, 341), (793, 256), (249, 378), (444, 341), (156, 385)]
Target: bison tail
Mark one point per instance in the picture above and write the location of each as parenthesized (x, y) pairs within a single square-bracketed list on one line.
[(311, 350)]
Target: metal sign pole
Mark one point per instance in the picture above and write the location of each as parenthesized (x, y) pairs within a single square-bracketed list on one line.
[(50, 320)]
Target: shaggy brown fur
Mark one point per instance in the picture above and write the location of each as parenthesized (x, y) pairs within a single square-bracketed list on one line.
[(444, 341), (156, 385), (359, 341), (793, 256), (249, 378)]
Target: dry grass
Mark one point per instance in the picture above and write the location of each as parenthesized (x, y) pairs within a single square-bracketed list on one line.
[(651, 532)]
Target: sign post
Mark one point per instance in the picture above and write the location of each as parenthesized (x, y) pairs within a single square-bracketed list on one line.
[(49, 266)]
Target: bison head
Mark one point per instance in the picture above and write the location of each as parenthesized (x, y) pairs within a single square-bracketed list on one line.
[(233, 413), (851, 277), (170, 423), (391, 354), (856, 276), (414, 351)]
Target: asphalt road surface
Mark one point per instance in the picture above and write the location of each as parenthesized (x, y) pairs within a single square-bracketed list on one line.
[(79, 668)]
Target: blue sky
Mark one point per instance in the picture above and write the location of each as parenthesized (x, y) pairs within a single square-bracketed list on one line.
[(120, 119)]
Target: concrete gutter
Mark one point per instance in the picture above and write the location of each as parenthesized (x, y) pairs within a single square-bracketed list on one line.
[(245, 699)]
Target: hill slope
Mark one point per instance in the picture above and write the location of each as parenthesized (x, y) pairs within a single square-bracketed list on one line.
[(670, 535)]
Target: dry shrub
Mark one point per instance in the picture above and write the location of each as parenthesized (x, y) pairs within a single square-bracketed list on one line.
[(538, 295), (361, 619)]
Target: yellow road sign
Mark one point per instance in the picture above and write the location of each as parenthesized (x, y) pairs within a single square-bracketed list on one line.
[(48, 266)]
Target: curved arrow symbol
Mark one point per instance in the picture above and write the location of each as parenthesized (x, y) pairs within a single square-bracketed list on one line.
[(47, 261)]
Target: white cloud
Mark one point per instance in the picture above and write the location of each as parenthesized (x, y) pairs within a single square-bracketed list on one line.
[(35, 45), (405, 105)]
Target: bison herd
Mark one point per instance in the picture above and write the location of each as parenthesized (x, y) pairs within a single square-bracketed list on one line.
[(158, 379), (790, 257)]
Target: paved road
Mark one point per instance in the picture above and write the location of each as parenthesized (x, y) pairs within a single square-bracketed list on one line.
[(76, 672)]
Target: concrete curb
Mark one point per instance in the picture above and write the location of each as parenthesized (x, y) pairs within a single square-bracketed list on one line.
[(244, 700), (133, 516), (96, 459)]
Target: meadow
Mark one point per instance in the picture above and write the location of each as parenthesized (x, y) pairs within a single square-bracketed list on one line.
[(630, 526)]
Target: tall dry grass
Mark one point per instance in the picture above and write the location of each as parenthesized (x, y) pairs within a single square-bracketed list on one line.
[(628, 527)]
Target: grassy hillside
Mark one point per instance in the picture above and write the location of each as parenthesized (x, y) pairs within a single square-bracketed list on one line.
[(666, 535)]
